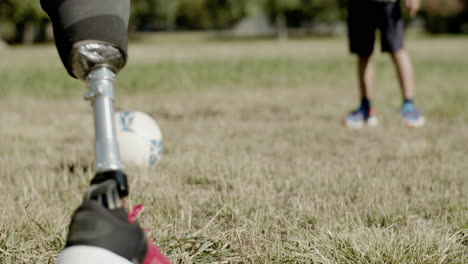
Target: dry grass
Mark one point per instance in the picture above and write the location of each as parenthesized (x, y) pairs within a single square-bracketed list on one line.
[(257, 168)]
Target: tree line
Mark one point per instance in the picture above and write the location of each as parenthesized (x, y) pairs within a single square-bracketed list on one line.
[(23, 21)]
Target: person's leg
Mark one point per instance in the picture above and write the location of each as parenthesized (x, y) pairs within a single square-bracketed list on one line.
[(365, 76), (364, 114), (405, 74), (91, 38), (412, 117), (361, 35), (392, 28)]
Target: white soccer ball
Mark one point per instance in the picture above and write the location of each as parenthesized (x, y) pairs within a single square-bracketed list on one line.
[(139, 138)]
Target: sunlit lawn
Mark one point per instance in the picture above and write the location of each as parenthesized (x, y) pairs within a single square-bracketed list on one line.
[(257, 167)]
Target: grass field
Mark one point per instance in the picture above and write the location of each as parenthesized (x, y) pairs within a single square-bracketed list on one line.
[(257, 167)]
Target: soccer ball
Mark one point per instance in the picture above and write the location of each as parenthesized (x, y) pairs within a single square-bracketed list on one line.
[(139, 138)]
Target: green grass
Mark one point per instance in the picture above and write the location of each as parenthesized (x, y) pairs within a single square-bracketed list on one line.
[(257, 168)]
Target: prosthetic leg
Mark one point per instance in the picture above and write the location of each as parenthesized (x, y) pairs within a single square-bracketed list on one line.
[(91, 38), (97, 63)]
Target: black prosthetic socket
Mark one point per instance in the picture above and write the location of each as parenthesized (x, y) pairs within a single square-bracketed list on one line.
[(88, 20)]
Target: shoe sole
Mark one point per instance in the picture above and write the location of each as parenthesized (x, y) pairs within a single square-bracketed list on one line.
[(415, 124), (370, 122), (89, 255)]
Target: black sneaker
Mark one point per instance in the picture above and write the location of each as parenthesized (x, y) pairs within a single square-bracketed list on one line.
[(99, 235), (360, 118)]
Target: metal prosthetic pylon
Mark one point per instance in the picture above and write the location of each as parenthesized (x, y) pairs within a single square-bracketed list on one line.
[(97, 64)]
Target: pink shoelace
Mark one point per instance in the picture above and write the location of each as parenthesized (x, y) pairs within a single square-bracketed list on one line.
[(154, 255)]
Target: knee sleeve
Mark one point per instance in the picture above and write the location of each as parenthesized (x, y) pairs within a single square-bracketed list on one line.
[(88, 20)]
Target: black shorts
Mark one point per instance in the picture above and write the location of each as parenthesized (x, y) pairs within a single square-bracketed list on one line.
[(365, 17)]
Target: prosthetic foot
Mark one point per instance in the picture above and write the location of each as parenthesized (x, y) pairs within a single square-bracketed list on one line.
[(99, 235)]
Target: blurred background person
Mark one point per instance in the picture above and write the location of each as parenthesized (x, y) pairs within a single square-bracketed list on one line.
[(365, 17)]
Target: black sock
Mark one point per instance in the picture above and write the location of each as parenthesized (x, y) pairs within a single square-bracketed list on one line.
[(408, 101), (366, 104)]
